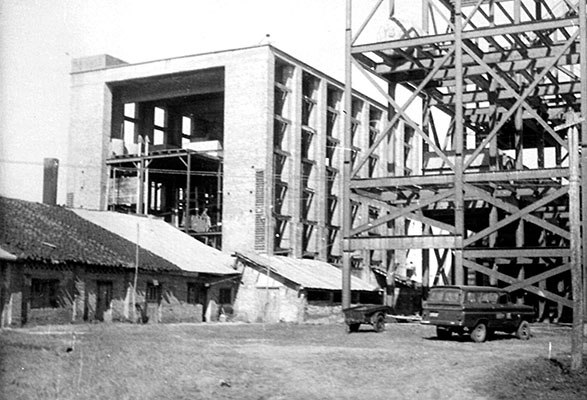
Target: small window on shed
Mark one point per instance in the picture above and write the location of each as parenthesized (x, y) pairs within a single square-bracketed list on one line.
[(318, 295), (153, 293), (44, 293), (192, 297)]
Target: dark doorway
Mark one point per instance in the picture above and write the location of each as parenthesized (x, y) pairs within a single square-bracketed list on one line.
[(198, 294), (203, 299), (104, 297)]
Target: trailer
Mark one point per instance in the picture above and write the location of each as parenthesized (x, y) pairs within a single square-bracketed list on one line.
[(373, 314)]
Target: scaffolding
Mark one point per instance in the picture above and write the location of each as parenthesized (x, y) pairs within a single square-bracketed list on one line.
[(503, 90)]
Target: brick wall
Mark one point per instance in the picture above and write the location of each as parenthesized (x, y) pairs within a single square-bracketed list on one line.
[(77, 296), (246, 128)]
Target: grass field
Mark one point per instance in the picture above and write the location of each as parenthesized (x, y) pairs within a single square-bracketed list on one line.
[(255, 361)]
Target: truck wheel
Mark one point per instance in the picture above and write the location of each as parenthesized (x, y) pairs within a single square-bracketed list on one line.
[(523, 332), (479, 333), (379, 323), (352, 328), (443, 333)]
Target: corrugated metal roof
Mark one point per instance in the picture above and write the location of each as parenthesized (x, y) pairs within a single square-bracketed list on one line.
[(311, 274), (164, 240), (54, 234)]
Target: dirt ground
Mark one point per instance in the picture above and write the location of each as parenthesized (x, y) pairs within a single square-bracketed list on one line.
[(256, 361)]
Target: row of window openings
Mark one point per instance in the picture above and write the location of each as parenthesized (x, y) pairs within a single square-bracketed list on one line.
[(308, 228), (45, 293), (279, 134), (307, 232), (330, 156), (309, 103), (159, 132), (306, 201), (310, 84)]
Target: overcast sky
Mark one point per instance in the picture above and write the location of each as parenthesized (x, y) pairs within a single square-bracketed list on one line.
[(39, 39)]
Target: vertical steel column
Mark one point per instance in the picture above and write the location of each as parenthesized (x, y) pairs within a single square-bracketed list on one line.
[(425, 7), (580, 294), (109, 180), (575, 244), (426, 229), (459, 147), (140, 184), (346, 172), (186, 217), (219, 194), (583, 67)]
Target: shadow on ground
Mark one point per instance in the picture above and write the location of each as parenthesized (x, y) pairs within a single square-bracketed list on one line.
[(539, 379)]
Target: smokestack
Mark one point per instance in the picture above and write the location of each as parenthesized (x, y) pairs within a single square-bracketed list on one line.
[(51, 167)]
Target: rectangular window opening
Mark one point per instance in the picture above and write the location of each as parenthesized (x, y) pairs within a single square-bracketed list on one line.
[(44, 293), (153, 292)]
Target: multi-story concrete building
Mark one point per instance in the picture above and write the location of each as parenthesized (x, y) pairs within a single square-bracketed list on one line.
[(241, 148)]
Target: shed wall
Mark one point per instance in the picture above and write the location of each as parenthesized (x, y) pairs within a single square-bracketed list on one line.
[(77, 298)]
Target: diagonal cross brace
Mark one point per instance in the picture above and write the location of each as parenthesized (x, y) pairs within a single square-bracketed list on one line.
[(415, 216), (540, 277), (400, 113), (512, 209), (520, 214), (508, 279), (521, 99), (401, 212)]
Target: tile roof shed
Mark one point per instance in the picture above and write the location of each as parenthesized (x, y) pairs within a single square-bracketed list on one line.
[(164, 240), (309, 274), (53, 234)]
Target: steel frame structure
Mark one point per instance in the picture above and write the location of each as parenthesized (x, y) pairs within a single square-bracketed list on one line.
[(513, 73)]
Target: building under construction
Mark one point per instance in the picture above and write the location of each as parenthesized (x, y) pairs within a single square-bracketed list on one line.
[(242, 149), (495, 198), (467, 175)]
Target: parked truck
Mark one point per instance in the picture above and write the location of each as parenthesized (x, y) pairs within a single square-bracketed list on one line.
[(475, 310)]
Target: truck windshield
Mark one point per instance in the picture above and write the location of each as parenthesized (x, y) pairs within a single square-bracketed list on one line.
[(445, 296)]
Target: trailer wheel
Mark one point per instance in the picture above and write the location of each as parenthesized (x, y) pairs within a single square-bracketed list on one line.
[(353, 327), (379, 323), (523, 331)]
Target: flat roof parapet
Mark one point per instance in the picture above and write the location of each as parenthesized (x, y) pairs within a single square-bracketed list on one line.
[(91, 63)]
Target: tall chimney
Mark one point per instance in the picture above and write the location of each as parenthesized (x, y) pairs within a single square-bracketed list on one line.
[(51, 167)]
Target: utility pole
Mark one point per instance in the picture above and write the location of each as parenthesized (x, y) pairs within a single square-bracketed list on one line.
[(571, 122), (346, 173)]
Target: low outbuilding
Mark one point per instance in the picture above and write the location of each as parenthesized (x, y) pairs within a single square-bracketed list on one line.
[(215, 269), (57, 267), (285, 289)]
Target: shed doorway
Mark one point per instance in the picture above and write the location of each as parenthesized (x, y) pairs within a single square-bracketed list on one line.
[(104, 298)]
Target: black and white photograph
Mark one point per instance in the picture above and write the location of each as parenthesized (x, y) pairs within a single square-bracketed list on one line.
[(278, 199)]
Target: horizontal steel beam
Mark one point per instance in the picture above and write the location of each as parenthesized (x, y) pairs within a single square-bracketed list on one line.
[(472, 69), (535, 252), (420, 181), (502, 94), (494, 57), (448, 38), (403, 242)]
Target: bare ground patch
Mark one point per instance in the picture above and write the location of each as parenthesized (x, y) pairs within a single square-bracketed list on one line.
[(255, 361)]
